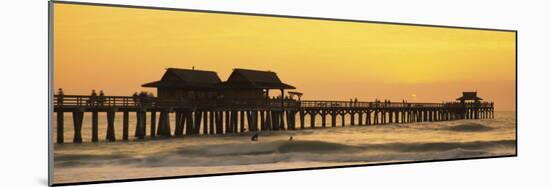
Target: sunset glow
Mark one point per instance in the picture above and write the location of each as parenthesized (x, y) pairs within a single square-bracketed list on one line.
[(118, 49)]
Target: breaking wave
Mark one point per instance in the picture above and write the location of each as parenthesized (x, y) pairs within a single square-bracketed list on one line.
[(289, 151), (469, 127)]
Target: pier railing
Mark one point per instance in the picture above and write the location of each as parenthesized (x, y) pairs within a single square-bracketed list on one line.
[(83, 101), (97, 101), (353, 104), (70, 101)]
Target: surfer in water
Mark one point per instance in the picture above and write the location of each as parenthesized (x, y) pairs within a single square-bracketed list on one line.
[(290, 139), (255, 137)]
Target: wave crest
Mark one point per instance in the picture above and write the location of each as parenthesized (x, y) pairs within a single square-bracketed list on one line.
[(469, 127), (290, 151)]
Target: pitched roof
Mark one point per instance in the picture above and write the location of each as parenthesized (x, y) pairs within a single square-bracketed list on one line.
[(186, 78), (245, 78), (469, 96)]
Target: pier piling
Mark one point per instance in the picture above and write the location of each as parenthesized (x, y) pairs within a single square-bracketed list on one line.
[(94, 126), (125, 124), (60, 127), (153, 124), (111, 125), (77, 122)]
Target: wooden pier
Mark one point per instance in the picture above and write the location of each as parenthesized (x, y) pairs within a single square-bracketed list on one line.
[(226, 117)]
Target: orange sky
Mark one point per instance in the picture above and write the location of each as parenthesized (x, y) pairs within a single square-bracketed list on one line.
[(118, 49)]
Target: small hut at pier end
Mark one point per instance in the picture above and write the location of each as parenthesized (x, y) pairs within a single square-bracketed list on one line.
[(244, 85), (186, 85), (469, 97)]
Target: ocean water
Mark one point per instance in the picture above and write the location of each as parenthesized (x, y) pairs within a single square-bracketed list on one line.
[(210, 154)]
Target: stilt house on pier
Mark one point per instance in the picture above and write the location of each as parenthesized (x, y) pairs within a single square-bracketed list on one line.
[(252, 85), (468, 97), (187, 85), (198, 86)]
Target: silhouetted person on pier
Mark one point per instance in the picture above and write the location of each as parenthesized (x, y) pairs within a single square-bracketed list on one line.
[(93, 98), (60, 97), (135, 97), (290, 139), (255, 137), (101, 98), (143, 98)]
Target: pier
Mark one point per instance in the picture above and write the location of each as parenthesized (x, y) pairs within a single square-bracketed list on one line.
[(223, 117), (202, 104)]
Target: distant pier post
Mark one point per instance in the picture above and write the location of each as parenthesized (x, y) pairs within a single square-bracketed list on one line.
[(333, 119), (352, 118), (111, 125), (94, 126), (153, 124), (343, 114), (302, 119), (282, 125), (211, 122), (78, 115), (178, 131), (140, 124), (60, 126), (360, 118), (219, 122), (375, 117), (323, 119), (275, 120), (164, 123), (262, 121), (125, 124), (312, 115), (234, 120)]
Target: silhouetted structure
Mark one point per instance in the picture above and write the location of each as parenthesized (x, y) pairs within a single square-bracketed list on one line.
[(201, 101), (186, 84), (298, 94), (198, 87), (245, 85), (469, 97)]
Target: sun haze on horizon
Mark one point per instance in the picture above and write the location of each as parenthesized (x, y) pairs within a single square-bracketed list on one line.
[(118, 49)]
